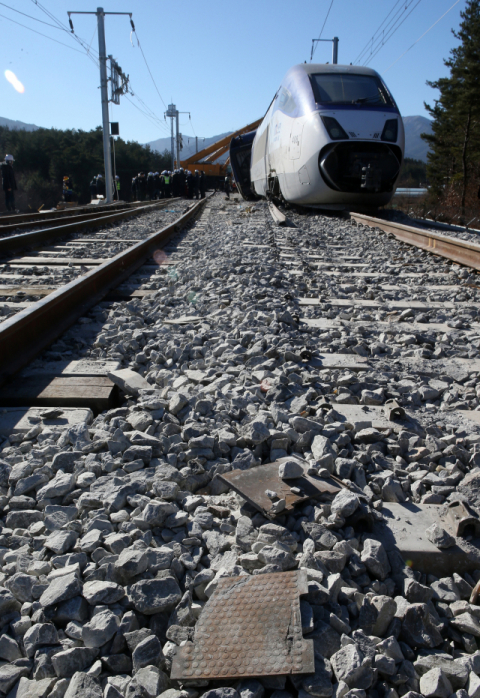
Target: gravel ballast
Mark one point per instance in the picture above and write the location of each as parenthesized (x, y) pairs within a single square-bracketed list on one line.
[(115, 532)]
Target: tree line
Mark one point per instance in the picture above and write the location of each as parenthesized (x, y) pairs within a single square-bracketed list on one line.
[(454, 158), (45, 156)]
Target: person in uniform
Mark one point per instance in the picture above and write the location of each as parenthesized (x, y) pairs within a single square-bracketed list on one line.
[(202, 184), (93, 189), (100, 185), (8, 183)]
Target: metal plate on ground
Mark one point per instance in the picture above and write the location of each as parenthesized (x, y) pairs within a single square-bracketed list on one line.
[(251, 485), (403, 530), (251, 626)]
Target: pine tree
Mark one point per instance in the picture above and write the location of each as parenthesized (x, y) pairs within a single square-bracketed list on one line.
[(453, 161)]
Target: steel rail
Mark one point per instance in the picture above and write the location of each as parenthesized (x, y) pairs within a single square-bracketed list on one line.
[(32, 330), (52, 222), (455, 250), (61, 213), (14, 243)]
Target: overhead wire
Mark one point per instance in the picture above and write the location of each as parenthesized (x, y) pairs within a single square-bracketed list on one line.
[(314, 46), (91, 53), (54, 26), (40, 34), (371, 41), (148, 68), (392, 32), (94, 56), (424, 33)]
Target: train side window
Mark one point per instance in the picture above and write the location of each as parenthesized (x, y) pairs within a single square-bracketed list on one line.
[(285, 101)]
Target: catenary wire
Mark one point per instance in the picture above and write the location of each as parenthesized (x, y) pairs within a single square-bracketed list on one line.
[(387, 32), (371, 41), (421, 37), (47, 24), (40, 34), (148, 68), (77, 38), (392, 33), (314, 47)]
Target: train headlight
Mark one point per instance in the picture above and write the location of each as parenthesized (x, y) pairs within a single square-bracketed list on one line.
[(335, 131), (390, 131)]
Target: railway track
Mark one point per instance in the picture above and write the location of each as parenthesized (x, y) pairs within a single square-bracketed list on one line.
[(142, 451)]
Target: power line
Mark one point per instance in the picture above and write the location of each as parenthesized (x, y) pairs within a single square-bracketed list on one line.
[(78, 39), (154, 122), (40, 34), (148, 68), (47, 24), (314, 46), (421, 37), (370, 41), (150, 112), (392, 33), (391, 26)]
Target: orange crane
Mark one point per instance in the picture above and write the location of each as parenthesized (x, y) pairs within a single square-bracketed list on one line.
[(213, 152)]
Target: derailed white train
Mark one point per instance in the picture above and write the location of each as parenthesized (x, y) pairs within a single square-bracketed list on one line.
[(332, 137)]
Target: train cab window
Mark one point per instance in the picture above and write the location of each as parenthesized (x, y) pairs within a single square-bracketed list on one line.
[(337, 88), (285, 101)]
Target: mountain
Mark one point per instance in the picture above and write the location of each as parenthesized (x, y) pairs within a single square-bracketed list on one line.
[(17, 125), (416, 147), (188, 149)]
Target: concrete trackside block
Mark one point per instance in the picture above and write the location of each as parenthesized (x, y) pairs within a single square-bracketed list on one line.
[(129, 381), (19, 420), (403, 530)]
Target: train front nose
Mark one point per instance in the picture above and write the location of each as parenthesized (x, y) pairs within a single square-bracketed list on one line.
[(360, 166)]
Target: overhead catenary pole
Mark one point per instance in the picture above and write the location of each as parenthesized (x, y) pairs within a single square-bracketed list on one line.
[(178, 139), (104, 93), (116, 90)]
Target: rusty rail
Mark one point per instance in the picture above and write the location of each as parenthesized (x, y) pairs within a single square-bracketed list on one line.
[(455, 250), (32, 330)]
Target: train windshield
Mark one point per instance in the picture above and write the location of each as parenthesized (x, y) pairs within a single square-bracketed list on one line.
[(337, 88)]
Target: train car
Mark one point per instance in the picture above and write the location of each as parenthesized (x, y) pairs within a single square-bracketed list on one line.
[(332, 137)]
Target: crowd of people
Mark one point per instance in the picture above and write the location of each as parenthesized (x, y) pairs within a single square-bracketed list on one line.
[(166, 184), (151, 186), (97, 187)]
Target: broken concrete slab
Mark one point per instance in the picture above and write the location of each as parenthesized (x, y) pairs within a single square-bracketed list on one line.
[(344, 361), (19, 420), (404, 530), (252, 485), (456, 368), (366, 416), (129, 381), (251, 626)]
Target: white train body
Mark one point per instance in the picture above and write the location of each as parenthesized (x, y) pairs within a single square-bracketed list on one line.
[(332, 137)]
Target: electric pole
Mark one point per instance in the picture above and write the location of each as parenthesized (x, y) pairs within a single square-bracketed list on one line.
[(173, 113), (104, 89)]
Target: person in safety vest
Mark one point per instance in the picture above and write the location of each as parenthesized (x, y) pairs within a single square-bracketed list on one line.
[(168, 185)]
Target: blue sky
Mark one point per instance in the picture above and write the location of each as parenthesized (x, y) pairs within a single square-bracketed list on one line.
[(222, 61)]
